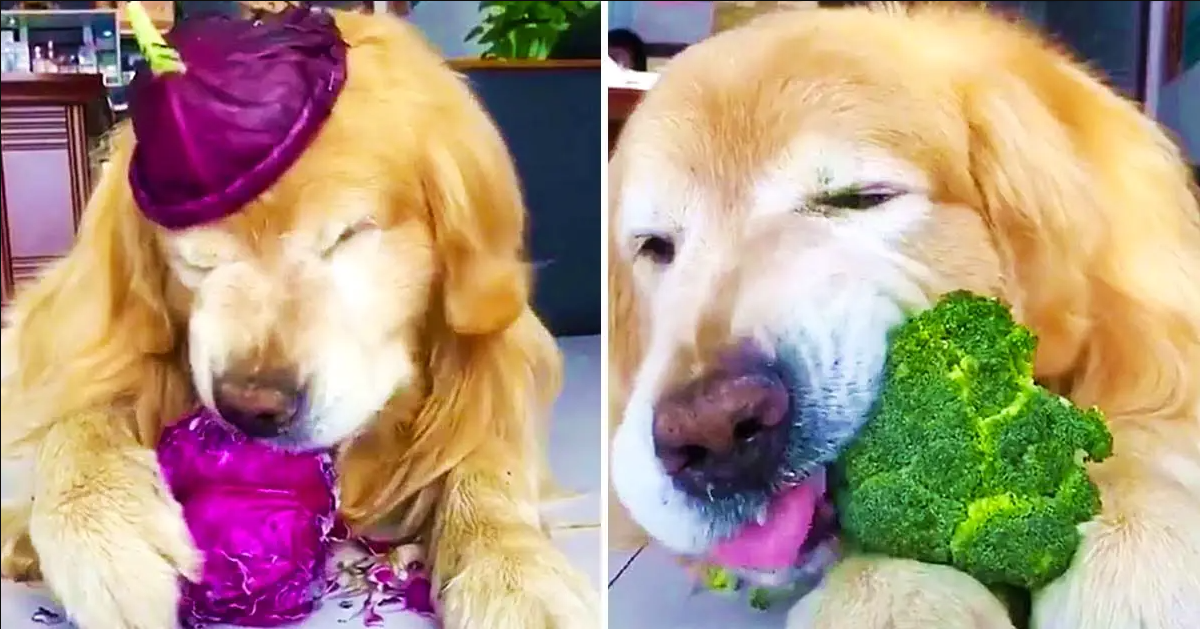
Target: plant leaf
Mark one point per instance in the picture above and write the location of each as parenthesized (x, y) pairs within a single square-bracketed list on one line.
[(525, 29)]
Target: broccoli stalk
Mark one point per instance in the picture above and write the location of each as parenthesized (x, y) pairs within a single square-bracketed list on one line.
[(965, 460)]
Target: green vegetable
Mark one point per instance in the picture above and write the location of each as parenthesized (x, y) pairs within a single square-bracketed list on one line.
[(722, 580), (760, 598), (719, 579), (161, 58), (965, 460)]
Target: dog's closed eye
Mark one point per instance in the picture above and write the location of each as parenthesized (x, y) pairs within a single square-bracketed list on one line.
[(200, 251), (198, 264), (349, 234), (856, 198)]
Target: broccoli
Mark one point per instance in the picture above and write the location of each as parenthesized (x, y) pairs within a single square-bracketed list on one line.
[(966, 461)]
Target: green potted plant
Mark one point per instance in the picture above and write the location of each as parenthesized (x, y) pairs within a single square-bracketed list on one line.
[(527, 30)]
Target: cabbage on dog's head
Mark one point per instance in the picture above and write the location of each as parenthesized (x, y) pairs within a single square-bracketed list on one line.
[(790, 189)]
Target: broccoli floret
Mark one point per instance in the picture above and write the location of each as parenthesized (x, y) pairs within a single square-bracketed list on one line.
[(965, 460)]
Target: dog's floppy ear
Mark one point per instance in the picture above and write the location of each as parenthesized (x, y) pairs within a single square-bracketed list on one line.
[(94, 330), (1094, 212), (477, 214), (493, 368), (625, 319), (625, 348)]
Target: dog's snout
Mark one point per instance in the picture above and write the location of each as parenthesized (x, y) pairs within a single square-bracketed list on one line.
[(260, 405), (725, 432)]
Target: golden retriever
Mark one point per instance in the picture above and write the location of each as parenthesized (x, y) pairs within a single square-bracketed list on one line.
[(386, 266), (789, 188)]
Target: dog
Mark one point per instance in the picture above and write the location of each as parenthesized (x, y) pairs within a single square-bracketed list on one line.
[(790, 189), (382, 276)]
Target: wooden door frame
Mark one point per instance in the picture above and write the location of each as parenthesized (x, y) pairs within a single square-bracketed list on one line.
[(1173, 53), (1162, 50)]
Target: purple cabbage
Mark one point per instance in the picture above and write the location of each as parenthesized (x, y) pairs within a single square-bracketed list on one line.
[(254, 94), (263, 518)]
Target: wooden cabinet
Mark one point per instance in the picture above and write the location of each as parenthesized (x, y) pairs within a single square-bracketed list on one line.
[(45, 176), (621, 102)]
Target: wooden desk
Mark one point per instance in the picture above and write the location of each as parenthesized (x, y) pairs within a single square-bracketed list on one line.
[(468, 64), (621, 102), (45, 173)]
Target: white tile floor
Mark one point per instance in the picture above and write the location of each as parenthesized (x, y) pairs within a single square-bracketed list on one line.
[(574, 456), (648, 590)]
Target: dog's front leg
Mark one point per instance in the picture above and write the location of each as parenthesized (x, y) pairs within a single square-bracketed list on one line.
[(1139, 565), (866, 592), (497, 568), (110, 541), (18, 560)]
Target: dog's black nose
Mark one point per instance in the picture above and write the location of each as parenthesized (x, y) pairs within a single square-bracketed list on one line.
[(261, 405), (726, 432)]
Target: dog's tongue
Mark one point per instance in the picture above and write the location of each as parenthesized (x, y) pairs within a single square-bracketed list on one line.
[(776, 542)]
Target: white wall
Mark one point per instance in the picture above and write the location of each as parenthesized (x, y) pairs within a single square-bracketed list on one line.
[(446, 23)]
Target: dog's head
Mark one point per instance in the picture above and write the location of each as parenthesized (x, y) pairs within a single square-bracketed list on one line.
[(380, 276), (308, 309), (789, 190)]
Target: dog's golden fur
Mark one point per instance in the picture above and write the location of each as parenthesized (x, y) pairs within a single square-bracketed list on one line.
[(95, 360), (1048, 190)]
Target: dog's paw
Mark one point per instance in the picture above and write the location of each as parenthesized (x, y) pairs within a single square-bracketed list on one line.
[(18, 560), (1139, 562), (881, 593), (533, 588), (1128, 575), (112, 544)]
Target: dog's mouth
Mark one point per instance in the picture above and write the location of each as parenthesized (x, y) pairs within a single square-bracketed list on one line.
[(798, 524), (792, 533), (756, 504)]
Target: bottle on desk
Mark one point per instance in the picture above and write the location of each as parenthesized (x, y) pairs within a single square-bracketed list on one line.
[(44, 63), (51, 64), (88, 63), (39, 63)]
